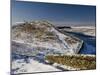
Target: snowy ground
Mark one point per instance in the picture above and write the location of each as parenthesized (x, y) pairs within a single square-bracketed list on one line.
[(20, 66)]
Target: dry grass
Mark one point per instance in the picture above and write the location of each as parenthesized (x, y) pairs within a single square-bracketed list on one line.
[(81, 62)]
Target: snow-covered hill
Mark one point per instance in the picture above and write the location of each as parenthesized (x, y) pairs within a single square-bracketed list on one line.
[(42, 35)]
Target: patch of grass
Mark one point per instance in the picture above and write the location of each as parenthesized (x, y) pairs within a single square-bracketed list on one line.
[(82, 62)]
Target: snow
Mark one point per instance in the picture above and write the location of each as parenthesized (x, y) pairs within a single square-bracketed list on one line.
[(62, 38), (33, 66), (66, 67), (89, 27)]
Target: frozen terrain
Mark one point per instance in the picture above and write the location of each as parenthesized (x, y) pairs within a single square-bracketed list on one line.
[(31, 42), (41, 35)]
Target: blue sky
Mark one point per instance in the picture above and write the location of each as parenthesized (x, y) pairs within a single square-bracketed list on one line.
[(57, 13)]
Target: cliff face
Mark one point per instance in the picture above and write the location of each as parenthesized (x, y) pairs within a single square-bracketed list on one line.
[(41, 36)]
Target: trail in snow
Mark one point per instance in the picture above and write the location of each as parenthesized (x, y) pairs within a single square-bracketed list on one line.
[(61, 38)]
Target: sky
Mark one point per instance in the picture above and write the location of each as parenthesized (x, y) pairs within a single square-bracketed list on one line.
[(59, 14)]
